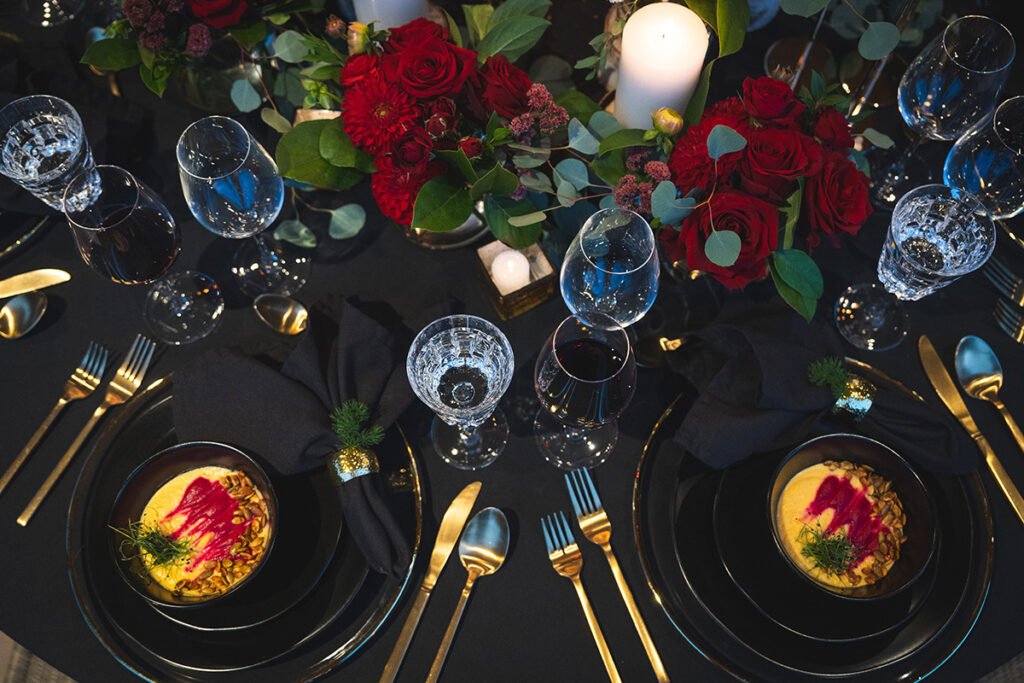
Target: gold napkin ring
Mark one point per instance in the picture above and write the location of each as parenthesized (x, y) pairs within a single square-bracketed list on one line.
[(349, 463), (856, 399)]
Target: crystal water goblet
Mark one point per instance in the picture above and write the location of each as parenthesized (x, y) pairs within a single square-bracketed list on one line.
[(988, 160), (460, 366), (584, 377), (937, 235), (126, 233), (611, 269), (233, 189), (43, 146), (954, 81)]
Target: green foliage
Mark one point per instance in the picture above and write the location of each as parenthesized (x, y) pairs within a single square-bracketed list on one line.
[(832, 553), (499, 211), (829, 372), (728, 19), (442, 204), (151, 545), (610, 167), (723, 247), (291, 47), (498, 180), (792, 213), (574, 172), (511, 37), (877, 138), (620, 139), (347, 221), (295, 232), (273, 118), (724, 140), (578, 105), (458, 160), (337, 148), (244, 96), (298, 157), (797, 279), (477, 18), (666, 207), (803, 8), (251, 34), (878, 40), (347, 423), (112, 54)]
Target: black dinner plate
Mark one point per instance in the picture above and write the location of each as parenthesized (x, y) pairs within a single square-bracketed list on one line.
[(690, 583), (308, 529), (344, 605), (743, 531)]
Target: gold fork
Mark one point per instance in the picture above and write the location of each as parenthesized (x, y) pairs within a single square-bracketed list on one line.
[(82, 382), (1009, 321), (597, 529), (120, 388), (568, 562)]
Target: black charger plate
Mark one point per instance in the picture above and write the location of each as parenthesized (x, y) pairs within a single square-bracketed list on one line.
[(689, 582), (308, 528), (743, 532), (341, 611)]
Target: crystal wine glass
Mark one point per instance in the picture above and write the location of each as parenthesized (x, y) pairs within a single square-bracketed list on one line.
[(43, 146), (124, 232), (611, 269), (585, 377), (460, 366), (937, 235), (233, 189), (953, 82), (988, 161)]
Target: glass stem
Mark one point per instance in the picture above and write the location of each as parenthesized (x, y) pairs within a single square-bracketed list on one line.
[(268, 259), (470, 436)]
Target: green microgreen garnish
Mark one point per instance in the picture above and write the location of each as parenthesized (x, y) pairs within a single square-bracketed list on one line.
[(829, 372), (140, 539), (347, 422), (832, 553)]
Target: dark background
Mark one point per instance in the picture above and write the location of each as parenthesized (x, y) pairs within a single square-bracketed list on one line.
[(524, 623)]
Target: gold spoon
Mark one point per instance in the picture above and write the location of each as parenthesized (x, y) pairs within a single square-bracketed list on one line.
[(482, 550), (20, 314), (281, 313), (981, 376)]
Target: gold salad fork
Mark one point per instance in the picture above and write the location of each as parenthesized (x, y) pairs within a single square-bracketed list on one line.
[(82, 382), (1010, 320), (120, 388), (597, 529), (568, 562)]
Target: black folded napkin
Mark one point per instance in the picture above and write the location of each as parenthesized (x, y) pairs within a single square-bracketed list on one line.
[(750, 370), (284, 416)]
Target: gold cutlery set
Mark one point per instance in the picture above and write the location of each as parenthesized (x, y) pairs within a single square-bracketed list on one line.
[(83, 381), (567, 561), (1009, 310)]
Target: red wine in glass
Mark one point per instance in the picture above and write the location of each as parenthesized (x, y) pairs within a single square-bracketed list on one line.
[(131, 246), (581, 385)]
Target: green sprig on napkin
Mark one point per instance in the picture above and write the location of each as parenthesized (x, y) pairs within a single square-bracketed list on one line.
[(829, 372)]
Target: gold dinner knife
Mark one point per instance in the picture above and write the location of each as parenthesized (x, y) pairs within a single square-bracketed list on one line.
[(32, 280), (451, 527), (950, 395)]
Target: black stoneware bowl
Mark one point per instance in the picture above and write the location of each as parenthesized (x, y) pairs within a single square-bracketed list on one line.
[(920, 529), (148, 478)]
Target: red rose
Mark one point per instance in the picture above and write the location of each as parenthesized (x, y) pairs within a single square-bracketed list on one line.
[(754, 220), (499, 87), (218, 13), (771, 102), (833, 129), (836, 199), (416, 32), (357, 68), (472, 147), (395, 190), (411, 150), (775, 158), (430, 69), (689, 162)]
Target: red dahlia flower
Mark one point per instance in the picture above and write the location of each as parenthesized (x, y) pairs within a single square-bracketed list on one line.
[(395, 190), (376, 112)]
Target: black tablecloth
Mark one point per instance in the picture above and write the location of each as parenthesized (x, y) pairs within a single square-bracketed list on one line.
[(522, 624)]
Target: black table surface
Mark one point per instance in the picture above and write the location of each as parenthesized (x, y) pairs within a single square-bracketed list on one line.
[(523, 623)]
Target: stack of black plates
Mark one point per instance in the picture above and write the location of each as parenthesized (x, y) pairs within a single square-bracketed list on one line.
[(707, 549), (310, 607)]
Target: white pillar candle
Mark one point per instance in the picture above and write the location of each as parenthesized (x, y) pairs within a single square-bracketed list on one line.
[(510, 271), (389, 13), (663, 48)]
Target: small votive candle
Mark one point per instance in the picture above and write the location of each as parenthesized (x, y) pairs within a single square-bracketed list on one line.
[(510, 271)]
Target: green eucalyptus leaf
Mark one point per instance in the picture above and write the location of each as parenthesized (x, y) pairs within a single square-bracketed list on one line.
[(567, 194), (877, 138), (500, 210), (347, 221), (607, 202), (724, 140), (512, 37), (442, 204), (527, 219), (112, 54), (722, 247), (290, 46), (878, 40), (860, 161), (666, 207), (244, 96), (602, 124), (295, 232), (803, 8), (581, 139), (273, 118), (537, 181), (574, 171)]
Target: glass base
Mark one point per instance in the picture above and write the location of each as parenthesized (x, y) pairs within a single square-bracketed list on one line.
[(183, 307), (47, 13), (871, 318), (572, 449), (895, 173), (470, 450), (264, 266)]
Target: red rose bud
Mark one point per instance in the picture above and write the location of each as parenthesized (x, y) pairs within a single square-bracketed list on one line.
[(218, 13), (358, 38), (472, 147), (833, 129), (411, 150), (668, 121)]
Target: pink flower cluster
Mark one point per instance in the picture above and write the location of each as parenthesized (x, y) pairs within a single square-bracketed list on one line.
[(199, 40), (635, 195), (544, 115), (150, 18)]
